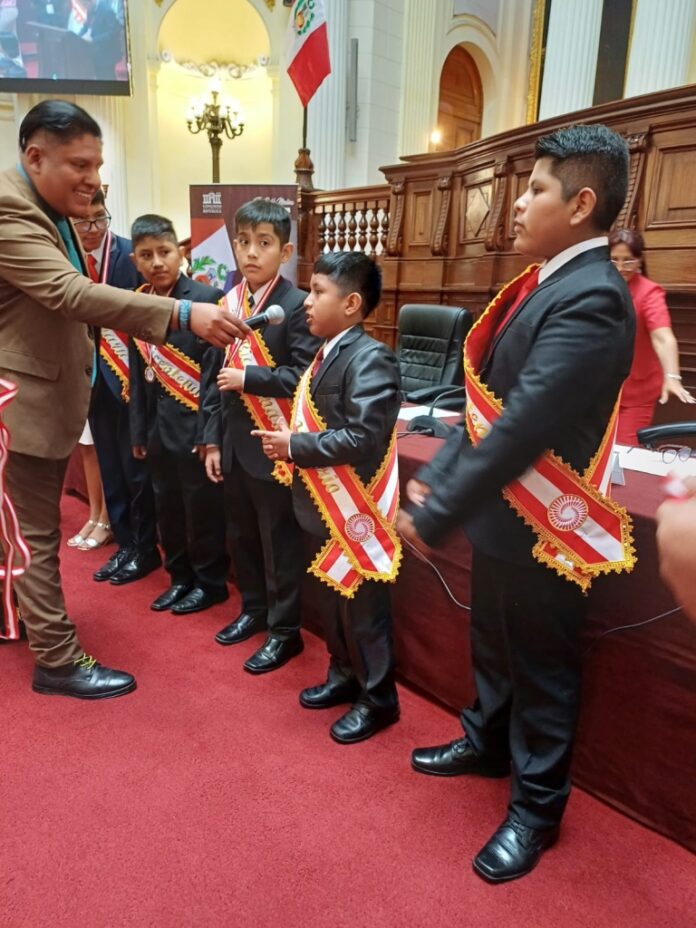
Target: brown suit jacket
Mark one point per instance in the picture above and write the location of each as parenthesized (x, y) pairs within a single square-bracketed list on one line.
[(46, 309)]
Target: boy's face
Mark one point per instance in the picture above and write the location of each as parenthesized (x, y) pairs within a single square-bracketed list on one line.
[(327, 310), (259, 253), (92, 228), (544, 222), (159, 261)]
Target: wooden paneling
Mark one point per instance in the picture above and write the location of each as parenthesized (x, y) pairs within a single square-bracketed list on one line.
[(444, 219)]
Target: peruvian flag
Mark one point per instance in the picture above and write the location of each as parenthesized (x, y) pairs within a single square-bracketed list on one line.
[(307, 47)]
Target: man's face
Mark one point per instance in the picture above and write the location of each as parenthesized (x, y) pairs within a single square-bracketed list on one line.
[(259, 253), (542, 223), (92, 228), (159, 262), (66, 175)]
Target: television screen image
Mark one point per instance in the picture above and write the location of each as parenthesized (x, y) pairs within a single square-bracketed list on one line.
[(64, 46)]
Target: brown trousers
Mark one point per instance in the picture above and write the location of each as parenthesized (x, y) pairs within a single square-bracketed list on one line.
[(35, 486)]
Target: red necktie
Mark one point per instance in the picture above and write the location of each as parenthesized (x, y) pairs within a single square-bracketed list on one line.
[(316, 363), (526, 288), (92, 268)]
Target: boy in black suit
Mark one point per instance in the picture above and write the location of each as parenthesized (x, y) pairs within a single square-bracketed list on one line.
[(248, 387), (528, 480), (341, 441), (164, 419), (127, 486)]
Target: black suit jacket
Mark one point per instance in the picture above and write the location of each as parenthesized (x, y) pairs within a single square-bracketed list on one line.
[(122, 272), (357, 391), (558, 367), (157, 419), (226, 422)]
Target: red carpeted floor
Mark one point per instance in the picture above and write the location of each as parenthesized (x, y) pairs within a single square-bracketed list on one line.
[(211, 798)]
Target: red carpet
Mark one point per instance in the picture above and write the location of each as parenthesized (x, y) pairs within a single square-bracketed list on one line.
[(210, 798)]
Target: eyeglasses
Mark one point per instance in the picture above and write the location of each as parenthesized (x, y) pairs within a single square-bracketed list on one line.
[(625, 262), (85, 225), (675, 453)]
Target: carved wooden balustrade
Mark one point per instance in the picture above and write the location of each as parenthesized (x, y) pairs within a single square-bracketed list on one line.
[(441, 228)]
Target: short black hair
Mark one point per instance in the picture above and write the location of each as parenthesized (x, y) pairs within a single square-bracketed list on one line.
[(66, 121), (259, 210), (152, 226), (589, 156), (353, 272), (99, 198)]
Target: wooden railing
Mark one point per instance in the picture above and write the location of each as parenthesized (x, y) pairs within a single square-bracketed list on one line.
[(441, 227)]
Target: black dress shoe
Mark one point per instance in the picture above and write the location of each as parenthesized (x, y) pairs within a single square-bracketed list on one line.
[(167, 599), (454, 759), (113, 565), (85, 678), (139, 566), (243, 627), (361, 722), (273, 653), (329, 694), (513, 851), (199, 599)]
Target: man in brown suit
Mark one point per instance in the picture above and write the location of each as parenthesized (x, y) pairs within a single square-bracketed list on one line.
[(48, 307)]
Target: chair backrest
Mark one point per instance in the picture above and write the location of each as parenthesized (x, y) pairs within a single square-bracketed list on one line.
[(429, 348)]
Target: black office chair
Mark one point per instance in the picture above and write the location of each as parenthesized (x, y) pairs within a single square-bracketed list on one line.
[(429, 349), (671, 433)]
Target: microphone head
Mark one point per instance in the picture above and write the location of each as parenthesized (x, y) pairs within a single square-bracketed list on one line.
[(275, 314)]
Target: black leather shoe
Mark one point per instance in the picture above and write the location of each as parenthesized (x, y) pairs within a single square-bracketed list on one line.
[(244, 626), (361, 722), (85, 678), (329, 694), (273, 653), (199, 599), (139, 566), (113, 565), (513, 851), (166, 600), (454, 759)]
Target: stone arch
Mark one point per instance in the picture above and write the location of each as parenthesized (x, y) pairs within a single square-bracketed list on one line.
[(479, 41), (460, 105)]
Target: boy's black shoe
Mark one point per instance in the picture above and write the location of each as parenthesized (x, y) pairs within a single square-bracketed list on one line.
[(166, 600), (455, 759), (84, 678), (113, 565), (198, 599), (363, 721), (329, 694), (139, 566), (273, 653), (513, 851), (244, 626)]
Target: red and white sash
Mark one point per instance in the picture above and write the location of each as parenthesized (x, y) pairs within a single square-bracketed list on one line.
[(265, 411), (581, 532), (16, 555), (113, 348), (363, 543), (177, 374)]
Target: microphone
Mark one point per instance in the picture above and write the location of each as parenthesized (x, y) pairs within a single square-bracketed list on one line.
[(430, 424), (274, 315)]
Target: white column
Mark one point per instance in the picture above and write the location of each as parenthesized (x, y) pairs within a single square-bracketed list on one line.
[(661, 43), (571, 56), (418, 79), (326, 113), (108, 112)]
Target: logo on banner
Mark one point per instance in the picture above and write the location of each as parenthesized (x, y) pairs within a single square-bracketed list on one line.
[(212, 202)]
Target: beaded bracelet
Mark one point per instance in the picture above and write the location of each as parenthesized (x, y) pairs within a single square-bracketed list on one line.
[(185, 315)]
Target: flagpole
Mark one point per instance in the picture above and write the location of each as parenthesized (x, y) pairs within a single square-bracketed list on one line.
[(304, 169)]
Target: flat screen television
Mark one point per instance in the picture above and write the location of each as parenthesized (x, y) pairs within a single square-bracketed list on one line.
[(64, 46)]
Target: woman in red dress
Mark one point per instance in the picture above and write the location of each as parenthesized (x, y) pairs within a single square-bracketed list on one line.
[(654, 375)]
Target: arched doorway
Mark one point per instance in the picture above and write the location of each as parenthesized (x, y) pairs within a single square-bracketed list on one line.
[(461, 100)]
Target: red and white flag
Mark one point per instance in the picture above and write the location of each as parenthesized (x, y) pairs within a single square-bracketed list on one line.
[(307, 47)]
